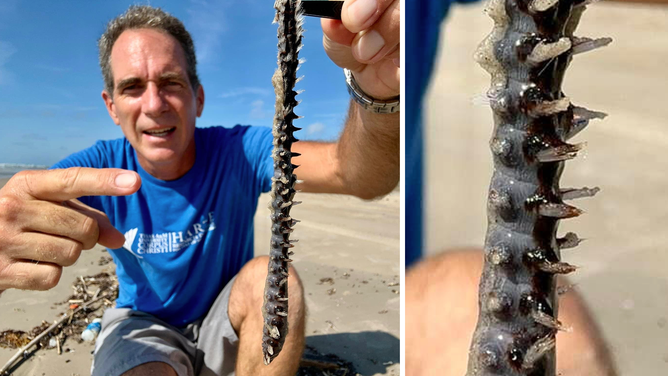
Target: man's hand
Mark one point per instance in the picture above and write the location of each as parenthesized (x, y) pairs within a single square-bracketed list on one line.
[(366, 41), (43, 227)]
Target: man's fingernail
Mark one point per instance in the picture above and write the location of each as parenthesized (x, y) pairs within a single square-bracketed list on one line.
[(397, 62), (369, 45), (362, 10), (125, 180)]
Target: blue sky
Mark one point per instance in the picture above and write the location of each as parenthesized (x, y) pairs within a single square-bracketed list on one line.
[(50, 83)]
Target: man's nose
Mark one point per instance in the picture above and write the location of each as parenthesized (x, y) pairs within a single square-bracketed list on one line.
[(153, 102)]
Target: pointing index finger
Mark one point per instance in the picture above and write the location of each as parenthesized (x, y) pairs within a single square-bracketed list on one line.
[(65, 184)]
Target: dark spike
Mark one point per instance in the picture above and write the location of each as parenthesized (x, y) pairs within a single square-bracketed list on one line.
[(584, 113), (550, 107), (561, 290), (584, 44), (547, 51), (561, 211), (574, 193), (557, 267), (580, 120), (538, 350), (542, 5), (559, 153), (548, 321), (570, 240)]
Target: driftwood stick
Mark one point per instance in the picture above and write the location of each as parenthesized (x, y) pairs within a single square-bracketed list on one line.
[(60, 351), (35, 340)]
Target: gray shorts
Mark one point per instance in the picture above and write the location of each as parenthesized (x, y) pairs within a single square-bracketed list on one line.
[(129, 338)]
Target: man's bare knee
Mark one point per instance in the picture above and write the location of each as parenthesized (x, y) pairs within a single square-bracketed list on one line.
[(248, 291), (152, 368), (442, 296)]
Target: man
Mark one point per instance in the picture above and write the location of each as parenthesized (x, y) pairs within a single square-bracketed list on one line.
[(190, 293)]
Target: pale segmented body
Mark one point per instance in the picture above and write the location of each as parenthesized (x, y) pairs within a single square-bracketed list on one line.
[(275, 309), (526, 55)]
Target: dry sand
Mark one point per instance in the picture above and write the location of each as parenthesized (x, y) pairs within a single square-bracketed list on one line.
[(354, 243), (623, 272)]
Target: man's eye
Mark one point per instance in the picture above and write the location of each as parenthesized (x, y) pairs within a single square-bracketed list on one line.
[(172, 86), (131, 89)]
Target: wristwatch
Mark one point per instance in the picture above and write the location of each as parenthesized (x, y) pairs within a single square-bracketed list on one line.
[(368, 103)]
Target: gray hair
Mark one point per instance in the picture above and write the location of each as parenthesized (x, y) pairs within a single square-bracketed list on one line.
[(146, 17)]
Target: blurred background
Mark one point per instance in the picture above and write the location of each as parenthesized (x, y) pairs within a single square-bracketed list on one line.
[(624, 261)]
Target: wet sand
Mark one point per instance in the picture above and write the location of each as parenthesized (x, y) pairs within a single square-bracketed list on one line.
[(623, 261), (347, 257)]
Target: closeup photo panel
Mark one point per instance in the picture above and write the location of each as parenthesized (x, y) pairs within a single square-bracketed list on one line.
[(535, 227)]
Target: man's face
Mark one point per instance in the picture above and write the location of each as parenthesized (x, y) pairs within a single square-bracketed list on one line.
[(153, 101)]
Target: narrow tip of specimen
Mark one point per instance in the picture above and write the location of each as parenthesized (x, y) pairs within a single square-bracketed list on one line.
[(570, 240), (538, 350), (560, 211), (547, 51), (575, 193), (560, 153), (584, 44)]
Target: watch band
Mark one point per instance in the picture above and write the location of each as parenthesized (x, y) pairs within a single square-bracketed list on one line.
[(368, 103)]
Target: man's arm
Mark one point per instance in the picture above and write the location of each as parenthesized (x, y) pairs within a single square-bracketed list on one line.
[(364, 162)]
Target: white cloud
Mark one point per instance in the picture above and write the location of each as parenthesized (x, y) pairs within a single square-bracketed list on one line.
[(207, 23), (315, 129), (6, 51), (258, 111), (246, 90)]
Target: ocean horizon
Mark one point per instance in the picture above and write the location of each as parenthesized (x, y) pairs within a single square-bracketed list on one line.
[(7, 170)]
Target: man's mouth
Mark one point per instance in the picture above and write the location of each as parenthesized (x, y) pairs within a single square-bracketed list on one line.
[(160, 132)]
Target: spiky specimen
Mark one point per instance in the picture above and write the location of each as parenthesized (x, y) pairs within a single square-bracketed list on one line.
[(526, 54), (275, 308)]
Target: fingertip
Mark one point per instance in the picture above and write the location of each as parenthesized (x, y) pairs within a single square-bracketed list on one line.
[(111, 238), (128, 181), (359, 15)]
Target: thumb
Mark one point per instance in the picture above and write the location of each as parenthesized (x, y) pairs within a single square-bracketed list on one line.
[(108, 236), (337, 42)]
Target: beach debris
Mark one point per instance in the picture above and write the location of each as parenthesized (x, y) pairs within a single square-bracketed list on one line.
[(68, 324), (314, 363), (327, 280), (92, 330)]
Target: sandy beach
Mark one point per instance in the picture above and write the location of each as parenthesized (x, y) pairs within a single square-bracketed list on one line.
[(623, 261), (347, 257)]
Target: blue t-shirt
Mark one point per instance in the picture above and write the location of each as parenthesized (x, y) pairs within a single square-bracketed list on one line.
[(423, 24), (186, 238)]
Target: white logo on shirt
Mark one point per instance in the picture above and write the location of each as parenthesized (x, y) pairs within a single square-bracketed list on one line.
[(169, 241)]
